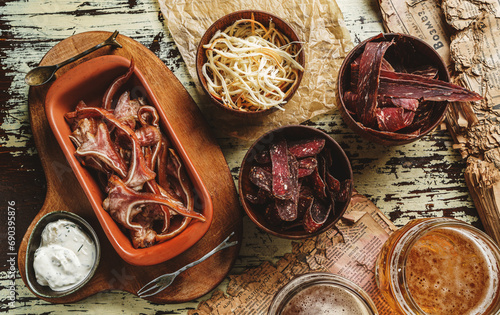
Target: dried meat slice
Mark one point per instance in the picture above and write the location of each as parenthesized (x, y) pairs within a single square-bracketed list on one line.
[(406, 103), (346, 187), (416, 86), (308, 147), (317, 184), (407, 85), (307, 166), (287, 208), (263, 157), (394, 118), (282, 182), (262, 197), (390, 135), (306, 198), (316, 216), (261, 178), (368, 81), (332, 184)]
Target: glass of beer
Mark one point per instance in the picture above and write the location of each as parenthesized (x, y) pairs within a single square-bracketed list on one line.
[(322, 293), (440, 266)]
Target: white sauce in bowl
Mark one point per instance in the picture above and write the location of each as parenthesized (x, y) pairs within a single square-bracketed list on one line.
[(65, 257)]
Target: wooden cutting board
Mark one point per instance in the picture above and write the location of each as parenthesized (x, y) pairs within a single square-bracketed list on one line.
[(65, 194)]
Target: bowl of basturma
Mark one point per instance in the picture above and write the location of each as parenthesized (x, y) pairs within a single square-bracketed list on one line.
[(394, 89), (295, 182), (250, 63)]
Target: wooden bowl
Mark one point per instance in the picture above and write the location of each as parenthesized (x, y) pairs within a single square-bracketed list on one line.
[(415, 53), (88, 81), (34, 243), (341, 170), (221, 24)]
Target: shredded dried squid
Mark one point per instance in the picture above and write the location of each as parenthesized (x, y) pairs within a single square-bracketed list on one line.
[(250, 67)]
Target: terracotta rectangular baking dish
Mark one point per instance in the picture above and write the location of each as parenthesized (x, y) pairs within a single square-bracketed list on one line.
[(88, 82)]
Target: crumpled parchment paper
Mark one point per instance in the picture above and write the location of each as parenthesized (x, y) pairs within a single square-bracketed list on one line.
[(319, 24)]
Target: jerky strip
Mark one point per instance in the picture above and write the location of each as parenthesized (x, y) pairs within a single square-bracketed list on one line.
[(263, 157), (317, 184), (306, 198), (287, 208), (282, 182), (307, 166), (261, 178), (368, 82), (390, 135), (305, 148), (410, 85), (393, 118), (262, 197), (421, 87), (271, 215), (345, 190), (332, 184), (315, 216), (350, 100)]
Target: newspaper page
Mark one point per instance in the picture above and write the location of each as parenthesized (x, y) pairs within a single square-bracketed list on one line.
[(466, 35), (349, 250), (319, 24)]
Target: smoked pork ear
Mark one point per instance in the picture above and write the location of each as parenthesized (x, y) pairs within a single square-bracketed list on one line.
[(127, 148)]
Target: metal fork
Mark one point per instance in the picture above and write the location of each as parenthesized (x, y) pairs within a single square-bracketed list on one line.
[(166, 280)]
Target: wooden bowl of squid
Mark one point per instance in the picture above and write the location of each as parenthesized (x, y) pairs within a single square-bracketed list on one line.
[(406, 53), (264, 19), (338, 166)]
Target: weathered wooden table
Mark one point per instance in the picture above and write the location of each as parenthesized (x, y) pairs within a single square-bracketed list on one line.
[(423, 179)]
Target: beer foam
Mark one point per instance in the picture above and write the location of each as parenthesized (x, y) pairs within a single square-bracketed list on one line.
[(451, 272), (326, 299)]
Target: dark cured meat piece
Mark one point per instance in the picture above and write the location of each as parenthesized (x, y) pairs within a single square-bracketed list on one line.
[(263, 157), (393, 118), (409, 85), (368, 82), (333, 184), (116, 85), (421, 87), (287, 208), (427, 71), (315, 216), (390, 135), (317, 184), (307, 166), (306, 199), (262, 197), (261, 178), (350, 100), (345, 190), (271, 214), (282, 183), (305, 148), (386, 65), (406, 103)]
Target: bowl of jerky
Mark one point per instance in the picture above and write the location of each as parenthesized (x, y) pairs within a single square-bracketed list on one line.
[(295, 182), (395, 89)]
